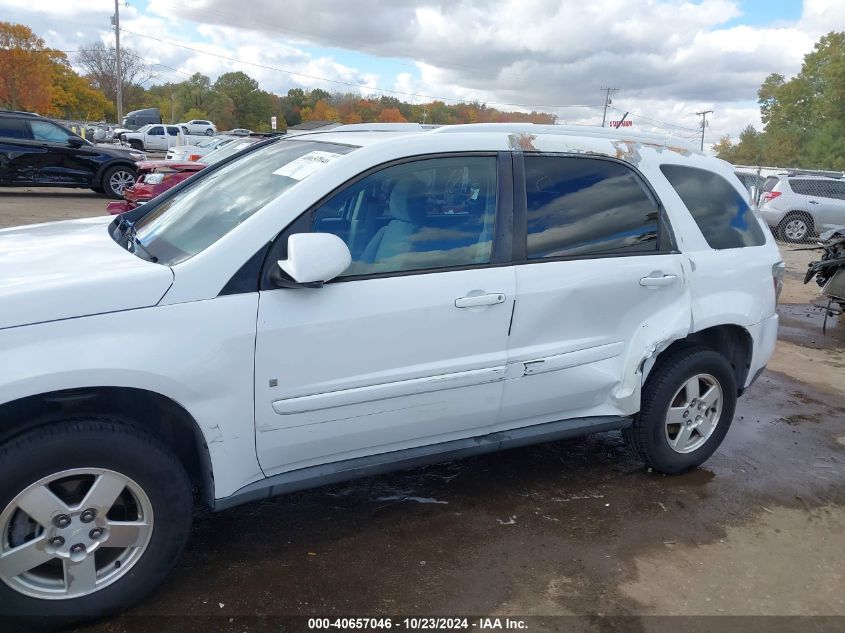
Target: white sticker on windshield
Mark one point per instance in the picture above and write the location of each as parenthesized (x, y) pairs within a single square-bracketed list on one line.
[(306, 165)]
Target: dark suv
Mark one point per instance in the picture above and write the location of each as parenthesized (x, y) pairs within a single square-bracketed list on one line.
[(35, 151)]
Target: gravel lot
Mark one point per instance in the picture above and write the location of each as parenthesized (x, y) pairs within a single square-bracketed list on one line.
[(569, 528)]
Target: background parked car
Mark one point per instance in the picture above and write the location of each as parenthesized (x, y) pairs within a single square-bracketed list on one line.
[(799, 207), (751, 181), (154, 137), (200, 126), (157, 176), (35, 151), (194, 151), (239, 131)]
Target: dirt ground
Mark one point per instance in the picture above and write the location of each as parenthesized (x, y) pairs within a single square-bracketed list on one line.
[(572, 528)]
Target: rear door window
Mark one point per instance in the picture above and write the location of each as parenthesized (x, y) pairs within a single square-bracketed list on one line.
[(818, 187), (173, 131), (719, 210), (804, 187), (582, 207), (13, 128)]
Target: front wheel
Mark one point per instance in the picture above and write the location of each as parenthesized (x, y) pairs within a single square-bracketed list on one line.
[(687, 405), (117, 180), (93, 514)]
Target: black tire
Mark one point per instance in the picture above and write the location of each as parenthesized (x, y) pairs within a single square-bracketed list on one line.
[(136, 144), (796, 217), (100, 443), (209, 132), (109, 187), (647, 435)]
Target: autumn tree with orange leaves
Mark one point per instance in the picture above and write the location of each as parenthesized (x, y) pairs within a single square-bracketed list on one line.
[(25, 69)]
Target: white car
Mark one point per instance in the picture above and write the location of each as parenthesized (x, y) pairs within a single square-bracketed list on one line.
[(154, 137), (799, 207), (201, 148), (430, 295), (200, 126)]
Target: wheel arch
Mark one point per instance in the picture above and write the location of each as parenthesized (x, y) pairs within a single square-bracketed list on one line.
[(141, 408), (113, 163), (732, 341)]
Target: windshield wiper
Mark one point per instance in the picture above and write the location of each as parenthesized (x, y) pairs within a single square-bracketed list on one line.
[(130, 233)]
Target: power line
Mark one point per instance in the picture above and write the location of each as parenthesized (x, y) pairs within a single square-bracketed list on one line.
[(658, 123), (346, 83)]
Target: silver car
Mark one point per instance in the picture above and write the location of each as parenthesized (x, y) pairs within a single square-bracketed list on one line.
[(799, 207)]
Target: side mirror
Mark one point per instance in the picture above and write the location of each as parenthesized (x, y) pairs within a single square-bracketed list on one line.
[(75, 141), (315, 258)]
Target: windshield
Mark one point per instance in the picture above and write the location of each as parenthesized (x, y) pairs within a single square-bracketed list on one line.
[(199, 215), (144, 128), (207, 142)]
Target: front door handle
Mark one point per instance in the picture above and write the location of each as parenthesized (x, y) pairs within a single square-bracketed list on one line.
[(475, 301), (655, 280), (814, 201)]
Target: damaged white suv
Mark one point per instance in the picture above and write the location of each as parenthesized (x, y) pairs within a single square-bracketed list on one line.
[(339, 304)]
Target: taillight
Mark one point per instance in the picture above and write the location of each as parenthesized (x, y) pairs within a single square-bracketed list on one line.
[(194, 157), (771, 195), (778, 271)]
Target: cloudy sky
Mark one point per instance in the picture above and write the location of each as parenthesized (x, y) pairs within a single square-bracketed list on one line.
[(668, 58)]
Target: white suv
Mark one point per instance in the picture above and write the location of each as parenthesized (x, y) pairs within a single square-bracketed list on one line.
[(200, 126), (432, 294), (799, 207)]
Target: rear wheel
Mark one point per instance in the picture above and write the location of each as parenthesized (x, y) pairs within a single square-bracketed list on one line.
[(117, 179), (209, 132), (796, 227), (92, 516), (687, 406)]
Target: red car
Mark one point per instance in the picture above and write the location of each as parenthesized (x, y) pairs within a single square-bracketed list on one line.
[(154, 177), (157, 176)]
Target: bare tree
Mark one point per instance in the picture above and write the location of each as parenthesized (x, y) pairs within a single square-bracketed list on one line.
[(100, 63)]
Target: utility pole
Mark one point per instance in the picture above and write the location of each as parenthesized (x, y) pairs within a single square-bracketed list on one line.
[(703, 116), (118, 67), (607, 102)]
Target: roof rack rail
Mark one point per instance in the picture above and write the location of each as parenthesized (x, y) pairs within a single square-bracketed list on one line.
[(570, 130), (814, 172), (22, 112)]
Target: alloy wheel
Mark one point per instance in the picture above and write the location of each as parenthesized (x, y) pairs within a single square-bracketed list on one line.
[(120, 180), (693, 413), (73, 533)]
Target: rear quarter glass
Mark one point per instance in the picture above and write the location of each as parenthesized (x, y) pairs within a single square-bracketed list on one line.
[(720, 211)]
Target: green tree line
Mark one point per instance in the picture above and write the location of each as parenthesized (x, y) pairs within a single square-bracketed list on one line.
[(803, 117)]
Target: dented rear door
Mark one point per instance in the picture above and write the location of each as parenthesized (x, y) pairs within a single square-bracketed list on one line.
[(600, 288)]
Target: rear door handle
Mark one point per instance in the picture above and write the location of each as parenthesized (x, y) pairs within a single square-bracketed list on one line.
[(474, 301), (814, 201), (655, 280)]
